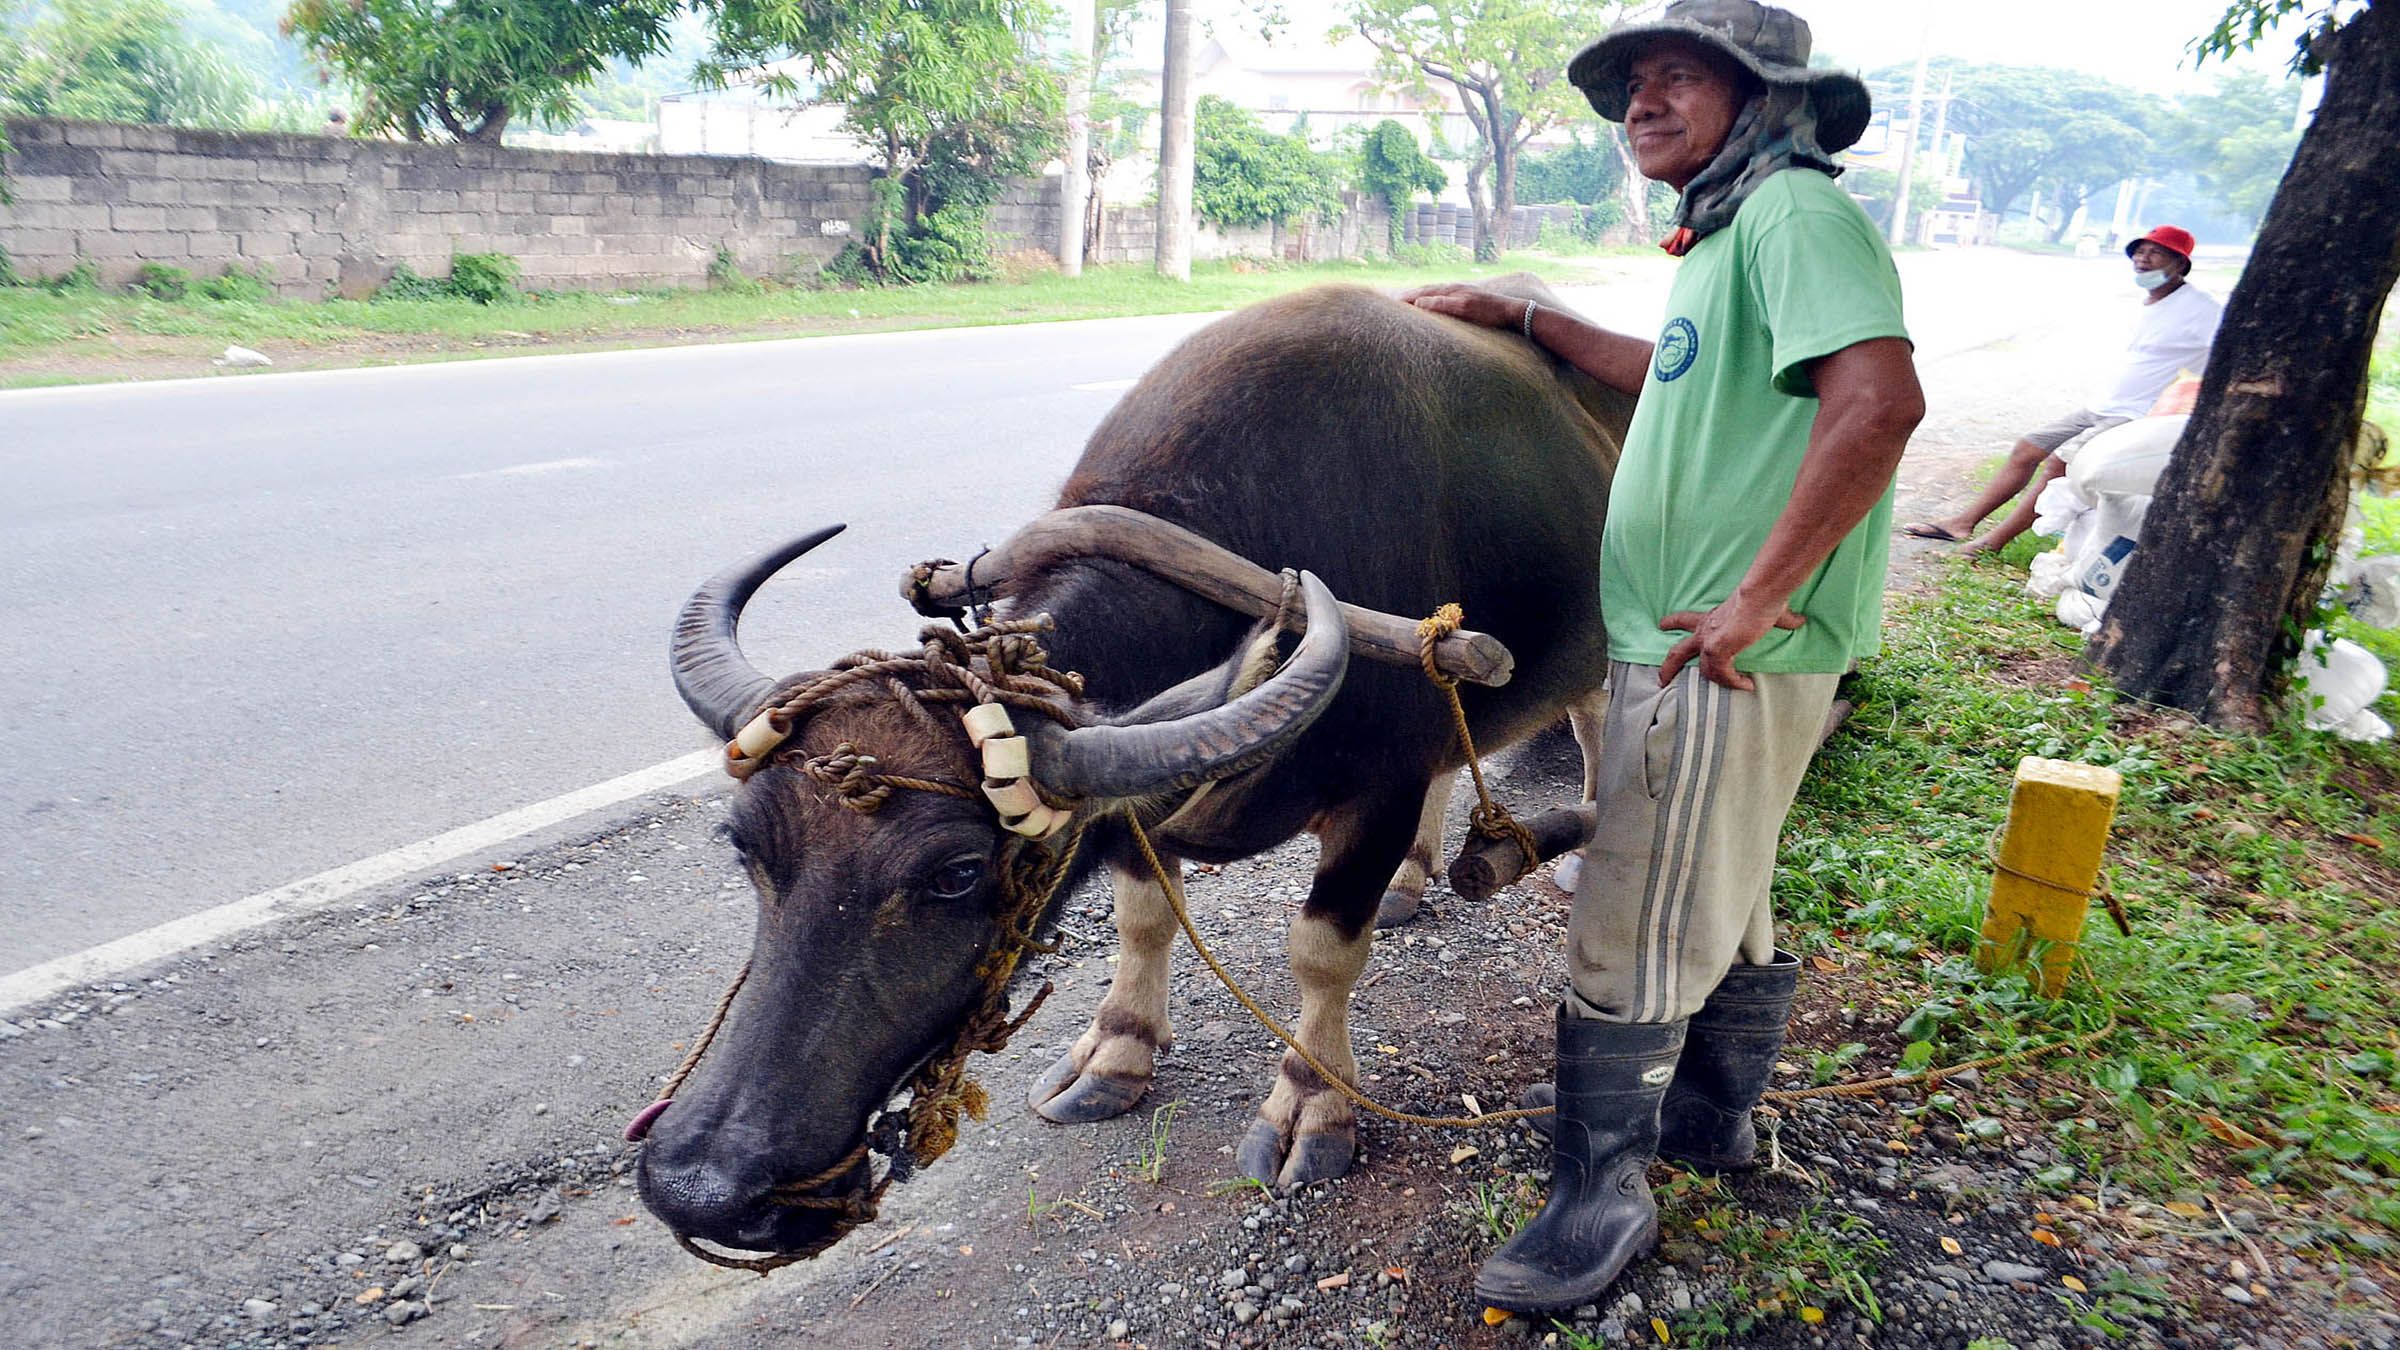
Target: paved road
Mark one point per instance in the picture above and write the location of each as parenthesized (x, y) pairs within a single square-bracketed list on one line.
[(262, 627)]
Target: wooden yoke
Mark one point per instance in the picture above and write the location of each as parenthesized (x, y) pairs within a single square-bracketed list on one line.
[(1206, 569)]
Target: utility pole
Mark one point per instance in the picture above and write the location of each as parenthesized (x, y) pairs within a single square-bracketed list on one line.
[(1075, 186), (1916, 123), (1175, 146)]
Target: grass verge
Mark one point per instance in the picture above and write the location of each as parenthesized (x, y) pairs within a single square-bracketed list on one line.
[(78, 334), (2256, 1054)]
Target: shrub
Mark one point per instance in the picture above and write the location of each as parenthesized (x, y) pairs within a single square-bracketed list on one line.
[(485, 278), (1243, 176), (1430, 255), (849, 267), (256, 286), (407, 283), (1392, 167), (8, 271), (162, 282), (725, 274), (83, 276)]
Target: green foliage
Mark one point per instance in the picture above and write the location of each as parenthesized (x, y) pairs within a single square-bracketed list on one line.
[(81, 279), (1584, 171), (725, 273), (162, 282), (2246, 21), (116, 61), (2254, 987), (1506, 58), (429, 67), (254, 286), (849, 268), (1152, 1162), (2066, 133), (1776, 1271), (944, 92), (8, 270), (2238, 140), (406, 283), (1878, 187), (485, 278), (1391, 166), (1241, 175)]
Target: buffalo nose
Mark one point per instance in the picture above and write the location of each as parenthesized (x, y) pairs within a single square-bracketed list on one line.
[(697, 1199)]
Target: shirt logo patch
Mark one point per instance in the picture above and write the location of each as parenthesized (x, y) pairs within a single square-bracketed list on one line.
[(1678, 348)]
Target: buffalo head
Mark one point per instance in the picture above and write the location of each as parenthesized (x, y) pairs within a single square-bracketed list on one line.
[(877, 911)]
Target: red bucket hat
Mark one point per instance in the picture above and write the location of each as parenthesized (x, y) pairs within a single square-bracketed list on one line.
[(2173, 238)]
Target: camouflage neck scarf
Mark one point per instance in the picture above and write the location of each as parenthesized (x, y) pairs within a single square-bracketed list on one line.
[(1776, 131)]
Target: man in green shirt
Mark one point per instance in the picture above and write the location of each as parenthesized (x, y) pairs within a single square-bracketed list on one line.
[(1742, 572)]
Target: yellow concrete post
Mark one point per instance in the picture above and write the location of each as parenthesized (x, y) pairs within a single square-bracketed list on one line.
[(2058, 819)]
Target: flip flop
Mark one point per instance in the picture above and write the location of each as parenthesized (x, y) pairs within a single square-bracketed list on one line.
[(1925, 529)]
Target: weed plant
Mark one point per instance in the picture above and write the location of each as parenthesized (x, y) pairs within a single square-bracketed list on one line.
[(2255, 1046)]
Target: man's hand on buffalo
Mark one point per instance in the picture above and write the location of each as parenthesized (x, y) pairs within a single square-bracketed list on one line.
[(1471, 303), (1612, 358), (1721, 634)]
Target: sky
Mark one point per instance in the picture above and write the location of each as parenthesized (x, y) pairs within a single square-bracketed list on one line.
[(2140, 43)]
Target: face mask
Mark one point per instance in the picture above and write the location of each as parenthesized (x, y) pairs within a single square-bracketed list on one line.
[(2150, 281)]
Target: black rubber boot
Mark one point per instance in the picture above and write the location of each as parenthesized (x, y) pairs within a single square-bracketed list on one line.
[(1599, 1217), (1728, 1060)]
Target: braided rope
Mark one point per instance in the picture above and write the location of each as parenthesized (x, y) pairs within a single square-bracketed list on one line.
[(1489, 818)]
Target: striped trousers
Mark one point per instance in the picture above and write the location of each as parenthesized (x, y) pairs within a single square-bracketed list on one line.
[(1695, 780)]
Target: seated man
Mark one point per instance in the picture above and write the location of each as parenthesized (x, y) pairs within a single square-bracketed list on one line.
[(2177, 324)]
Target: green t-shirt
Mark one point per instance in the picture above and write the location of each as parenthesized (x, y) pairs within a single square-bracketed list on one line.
[(1723, 420)]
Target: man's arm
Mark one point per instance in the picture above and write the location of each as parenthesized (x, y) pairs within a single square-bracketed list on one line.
[(1620, 362), (1868, 403)]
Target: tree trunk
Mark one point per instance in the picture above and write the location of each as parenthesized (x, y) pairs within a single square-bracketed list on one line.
[(487, 131), (1504, 191), (2211, 606), (1173, 256), (1636, 187), (1075, 184)]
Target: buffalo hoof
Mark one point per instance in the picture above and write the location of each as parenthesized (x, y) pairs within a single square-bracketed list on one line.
[(1397, 907), (1312, 1158), (1070, 1096)]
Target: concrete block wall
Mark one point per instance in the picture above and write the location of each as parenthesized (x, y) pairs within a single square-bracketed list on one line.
[(332, 213)]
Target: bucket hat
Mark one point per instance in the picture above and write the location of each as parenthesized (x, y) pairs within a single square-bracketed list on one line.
[(1771, 43), (2172, 238)]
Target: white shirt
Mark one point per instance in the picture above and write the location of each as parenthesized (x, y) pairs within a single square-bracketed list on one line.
[(2171, 335)]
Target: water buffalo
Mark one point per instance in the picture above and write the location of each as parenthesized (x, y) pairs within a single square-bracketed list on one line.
[(1404, 459)]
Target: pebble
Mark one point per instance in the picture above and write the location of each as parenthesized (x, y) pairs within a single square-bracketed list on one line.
[(2010, 1272), (1244, 1313), (1120, 1329), (402, 1313), (2237, 1294), (259, 1309), (1233, 1279), (402, 1252)]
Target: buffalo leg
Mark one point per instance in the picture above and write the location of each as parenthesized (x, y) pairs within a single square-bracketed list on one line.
[(1585, 716), (1306, 1131), (1407, 890), (1109, 1067)]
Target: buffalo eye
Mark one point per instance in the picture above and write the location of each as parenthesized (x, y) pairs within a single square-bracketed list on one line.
[(956, 879)]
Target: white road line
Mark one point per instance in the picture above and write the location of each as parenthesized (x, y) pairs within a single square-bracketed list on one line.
[(310, 894), (529, 470)]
